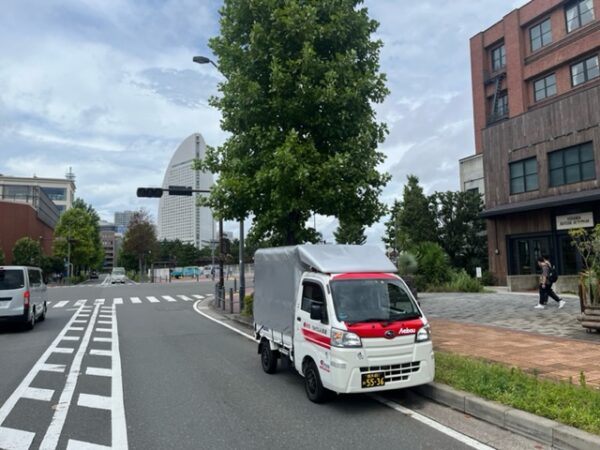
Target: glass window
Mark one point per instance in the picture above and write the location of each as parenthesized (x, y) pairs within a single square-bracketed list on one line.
[(524, 254), (572, 165), (546, 87), (11, 279), (35, 277), (55, 193), (579, 13), (540, 35), (312, 293), (17, 192), (523, 176), (585, 71), (498, 58)]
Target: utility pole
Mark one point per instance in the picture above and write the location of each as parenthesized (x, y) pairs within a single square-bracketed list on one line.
[(242, 292)]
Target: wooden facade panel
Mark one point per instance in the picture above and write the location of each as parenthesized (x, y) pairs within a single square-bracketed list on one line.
[(572, 120)]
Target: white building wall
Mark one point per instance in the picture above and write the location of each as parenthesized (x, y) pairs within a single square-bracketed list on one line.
[(471, 174), (179, 217)]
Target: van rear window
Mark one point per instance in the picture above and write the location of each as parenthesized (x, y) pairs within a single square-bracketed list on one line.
[(11, 279)]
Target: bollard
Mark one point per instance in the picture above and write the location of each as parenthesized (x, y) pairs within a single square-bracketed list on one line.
[(231, 300), (235, 284)]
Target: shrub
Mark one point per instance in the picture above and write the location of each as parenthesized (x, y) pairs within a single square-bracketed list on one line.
[(433, 265), (488, 278), (407, 263), (248, 310)]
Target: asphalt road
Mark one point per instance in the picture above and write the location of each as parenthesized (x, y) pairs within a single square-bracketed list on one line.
[(136, 367)]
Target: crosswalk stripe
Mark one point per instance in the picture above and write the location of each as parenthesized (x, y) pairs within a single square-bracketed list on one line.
[(98, 372), (15, 439), (64, 350), (102, 339), (199, 297), (38, 394), (118, 301), (135, 300), (94, 401), (184, 297), (61, 304), (74, 444), (100, 352), (81, 302), (99, 301), (168, 298), (58, 368), (153, 299)]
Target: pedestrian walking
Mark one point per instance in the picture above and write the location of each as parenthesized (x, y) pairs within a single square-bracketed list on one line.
[(547, 277)]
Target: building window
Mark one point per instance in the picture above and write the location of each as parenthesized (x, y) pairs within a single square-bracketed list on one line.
[(59, 194), (540, 35), (523, 176), (585, 71), (524, 253), (499, 108), (546, 87), (579, 13), (498, 58), (572, 165)]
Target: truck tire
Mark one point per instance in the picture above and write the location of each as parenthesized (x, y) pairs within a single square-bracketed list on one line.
[(268, 358), (315, 391)]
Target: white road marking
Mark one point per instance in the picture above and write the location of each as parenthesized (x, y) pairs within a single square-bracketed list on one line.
[(100, 352), (11, 439), (185, 297), (81, 302), (17, 439), (55, 428), (102, 339), (168, 298), (199, 297), (135, 300), (58, 368), (80, 320), (119, 425), (61, 304), (76, 329), (98, 371), (65, 350), (94, 401), (104, 330), (99, 301), (425, 420), (118, 301), (153, 299), (38, 394), (74, 444), (104, 322), (71, 338)]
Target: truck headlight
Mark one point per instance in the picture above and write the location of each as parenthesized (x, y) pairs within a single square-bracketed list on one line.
[(424, 334), (341, 338)]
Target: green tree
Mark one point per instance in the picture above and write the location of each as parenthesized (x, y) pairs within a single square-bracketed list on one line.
[(140, 241), (76, 237), (27, 252), (461, 231), (413, 219), (301, 80), (350, 233), (97, 257), (52, 264)]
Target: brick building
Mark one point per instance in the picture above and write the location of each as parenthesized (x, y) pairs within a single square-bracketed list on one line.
[(536, 99)]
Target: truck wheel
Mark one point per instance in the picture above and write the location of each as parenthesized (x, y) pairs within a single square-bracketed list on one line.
[(312, 384), (43, 315), (268, 358), (30, 323)]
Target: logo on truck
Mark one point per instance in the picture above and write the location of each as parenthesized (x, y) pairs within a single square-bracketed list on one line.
[(407, 331), (389, 334)]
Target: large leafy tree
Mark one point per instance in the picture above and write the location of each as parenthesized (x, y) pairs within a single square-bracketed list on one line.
[(461, 230), (27, 252), (301, 79), (350, 233), (76, 235), (140, 242)]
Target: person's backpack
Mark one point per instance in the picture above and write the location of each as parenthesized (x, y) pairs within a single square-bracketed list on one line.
[(553, 274)]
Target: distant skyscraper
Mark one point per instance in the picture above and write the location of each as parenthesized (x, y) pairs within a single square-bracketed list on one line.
[(122, 219), (179, 217)]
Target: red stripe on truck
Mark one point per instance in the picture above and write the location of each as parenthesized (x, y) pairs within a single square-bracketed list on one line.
[(316, 338), (365, 275), (378, 329)]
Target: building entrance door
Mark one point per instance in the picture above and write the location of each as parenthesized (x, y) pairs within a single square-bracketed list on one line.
[(525, 252)]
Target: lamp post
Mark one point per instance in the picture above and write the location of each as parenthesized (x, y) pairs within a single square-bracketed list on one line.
[(205, 60)]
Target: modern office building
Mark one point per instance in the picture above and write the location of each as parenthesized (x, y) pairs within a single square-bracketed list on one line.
[(180, 217), (60, 191), (108, 237), (536, 99), (122, 219)]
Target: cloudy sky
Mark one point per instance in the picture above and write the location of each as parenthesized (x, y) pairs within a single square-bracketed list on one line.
[(108, 88)]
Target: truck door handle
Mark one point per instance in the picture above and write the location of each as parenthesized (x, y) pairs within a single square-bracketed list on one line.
[(298, 319)]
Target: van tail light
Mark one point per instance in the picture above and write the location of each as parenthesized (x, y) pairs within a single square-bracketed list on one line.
[(26, 297)]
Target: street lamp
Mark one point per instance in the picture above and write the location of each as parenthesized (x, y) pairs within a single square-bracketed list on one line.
[(205, 60)]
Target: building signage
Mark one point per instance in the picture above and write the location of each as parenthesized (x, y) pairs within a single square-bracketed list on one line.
[(579, 220)]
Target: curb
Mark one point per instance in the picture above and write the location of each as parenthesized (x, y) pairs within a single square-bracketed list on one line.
[(544, 430)]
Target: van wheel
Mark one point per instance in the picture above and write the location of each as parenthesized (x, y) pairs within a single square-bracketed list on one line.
[(30, 320), (268, 358), (312, 384), (43, 315)]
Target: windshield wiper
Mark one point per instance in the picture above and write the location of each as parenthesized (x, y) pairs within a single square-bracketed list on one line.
[(371, 319)]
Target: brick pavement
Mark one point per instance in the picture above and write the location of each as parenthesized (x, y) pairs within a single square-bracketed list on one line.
[(505, 328)]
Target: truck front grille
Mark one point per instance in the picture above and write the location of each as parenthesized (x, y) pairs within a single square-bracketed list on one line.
[(394, 372)]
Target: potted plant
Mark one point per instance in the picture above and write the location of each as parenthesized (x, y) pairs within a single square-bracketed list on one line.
[(587, 242)]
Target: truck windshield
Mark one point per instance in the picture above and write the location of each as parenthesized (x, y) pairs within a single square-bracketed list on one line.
[(372, 300), (11, 279)]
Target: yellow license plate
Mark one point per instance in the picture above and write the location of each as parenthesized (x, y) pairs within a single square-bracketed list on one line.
[(369, 380)]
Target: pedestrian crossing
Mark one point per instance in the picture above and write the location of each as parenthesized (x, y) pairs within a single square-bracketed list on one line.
[(126, 300)]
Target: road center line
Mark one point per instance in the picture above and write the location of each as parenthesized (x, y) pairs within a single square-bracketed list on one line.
[(408, 412), (58, 420)]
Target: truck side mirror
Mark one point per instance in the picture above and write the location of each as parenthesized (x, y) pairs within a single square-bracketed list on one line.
[(316, 311)]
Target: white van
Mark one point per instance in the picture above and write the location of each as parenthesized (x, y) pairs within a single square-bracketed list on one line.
[(118, 275), (345, 320), (23, 295)]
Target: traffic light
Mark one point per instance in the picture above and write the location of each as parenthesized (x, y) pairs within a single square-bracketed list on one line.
[(180, 190), (149, 192)]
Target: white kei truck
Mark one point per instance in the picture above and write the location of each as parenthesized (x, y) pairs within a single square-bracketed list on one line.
[(342, 316)]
